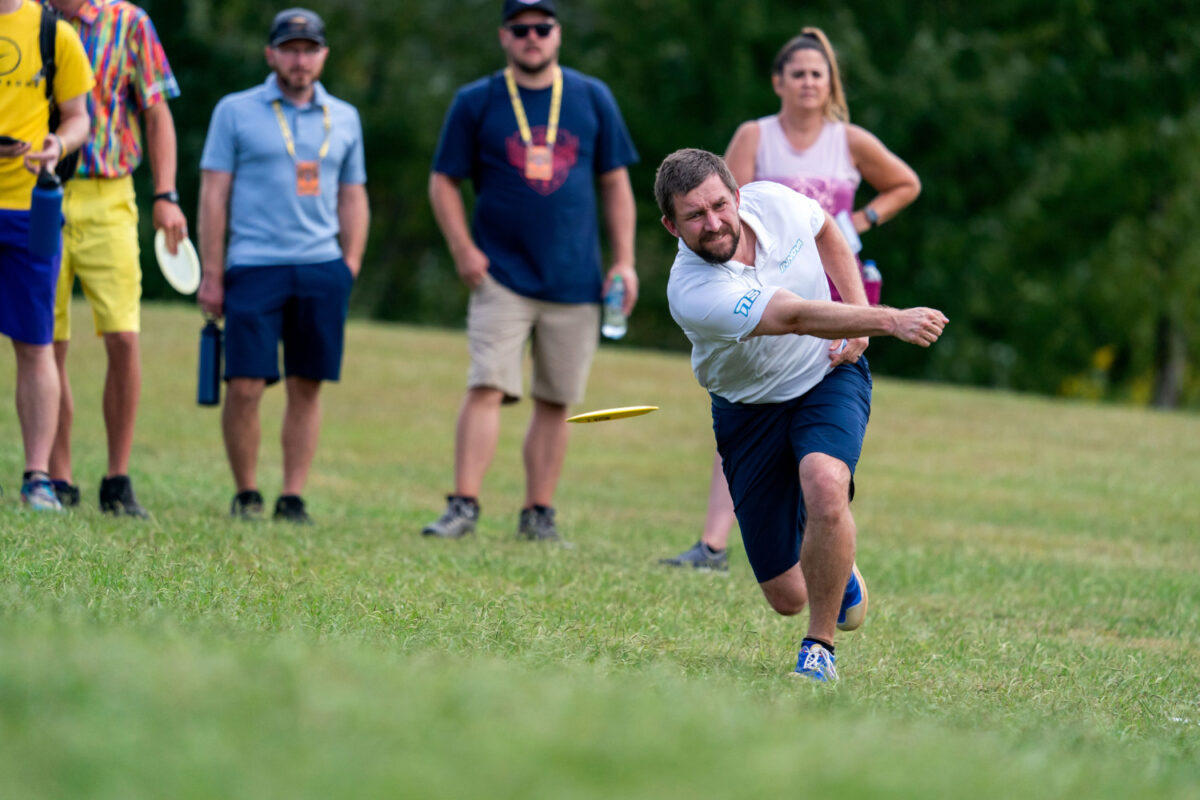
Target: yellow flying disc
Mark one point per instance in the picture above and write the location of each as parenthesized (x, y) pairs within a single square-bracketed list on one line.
[(605, 414)]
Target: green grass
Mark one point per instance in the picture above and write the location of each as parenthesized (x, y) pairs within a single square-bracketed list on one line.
[(1034, 628)]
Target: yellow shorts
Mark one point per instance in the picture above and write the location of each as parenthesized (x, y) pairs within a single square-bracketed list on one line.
[(100, 247)]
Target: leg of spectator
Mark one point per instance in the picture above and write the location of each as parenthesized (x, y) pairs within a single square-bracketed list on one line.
[(720, 517), (544, 451), (475, 438), (301, 431), (37, 402), (60, 454), (242, 430), (122, 392)]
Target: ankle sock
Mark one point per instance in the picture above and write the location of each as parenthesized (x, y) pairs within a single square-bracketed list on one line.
[(826, 645)]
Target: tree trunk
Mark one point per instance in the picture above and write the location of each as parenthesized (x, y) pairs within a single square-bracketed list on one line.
[(1170, 362)]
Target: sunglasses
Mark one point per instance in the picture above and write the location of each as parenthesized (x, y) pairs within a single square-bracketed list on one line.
[(521, 30)]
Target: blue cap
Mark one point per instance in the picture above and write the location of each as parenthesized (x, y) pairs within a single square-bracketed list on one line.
[(296, 23)]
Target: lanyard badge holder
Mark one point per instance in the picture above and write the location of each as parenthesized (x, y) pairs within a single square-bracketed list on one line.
[(539, 159), (308, 173)]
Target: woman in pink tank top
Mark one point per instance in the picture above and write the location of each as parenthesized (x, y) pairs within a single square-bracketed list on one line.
[(810, 146)]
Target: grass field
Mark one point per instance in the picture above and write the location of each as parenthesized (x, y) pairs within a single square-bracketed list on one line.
[(1034, 631)]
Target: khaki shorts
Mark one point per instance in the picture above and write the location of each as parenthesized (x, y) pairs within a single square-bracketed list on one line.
[(100, 247), (563, 339)]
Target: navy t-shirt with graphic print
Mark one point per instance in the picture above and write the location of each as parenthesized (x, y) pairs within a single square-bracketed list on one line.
[(541, 237)]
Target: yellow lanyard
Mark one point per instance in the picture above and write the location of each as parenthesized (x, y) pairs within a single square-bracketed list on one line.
[(287, 132), (519, 109)]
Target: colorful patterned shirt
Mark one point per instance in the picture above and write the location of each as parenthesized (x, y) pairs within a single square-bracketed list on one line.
[(132, 74)]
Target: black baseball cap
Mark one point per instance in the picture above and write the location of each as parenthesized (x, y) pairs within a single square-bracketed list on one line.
[(296, 23), (514, 7)]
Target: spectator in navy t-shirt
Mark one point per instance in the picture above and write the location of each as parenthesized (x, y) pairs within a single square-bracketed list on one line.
[(536, 141)]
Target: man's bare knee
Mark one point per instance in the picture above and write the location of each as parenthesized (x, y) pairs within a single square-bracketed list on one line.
[(786, 593), (244, 390), (826, 486), (786, 606)]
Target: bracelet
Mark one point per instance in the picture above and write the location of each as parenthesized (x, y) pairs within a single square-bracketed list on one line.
[(62, 148), (872, 216)]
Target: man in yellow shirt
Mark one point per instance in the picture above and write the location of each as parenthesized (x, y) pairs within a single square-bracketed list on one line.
[(28, 280)]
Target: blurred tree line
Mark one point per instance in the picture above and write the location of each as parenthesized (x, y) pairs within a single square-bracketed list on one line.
[(1058, 142)]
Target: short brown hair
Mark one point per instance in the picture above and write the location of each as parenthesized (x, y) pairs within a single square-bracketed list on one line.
[(683, 171)]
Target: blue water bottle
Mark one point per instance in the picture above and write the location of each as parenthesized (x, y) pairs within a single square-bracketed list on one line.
[(45, 216), (208, 383)]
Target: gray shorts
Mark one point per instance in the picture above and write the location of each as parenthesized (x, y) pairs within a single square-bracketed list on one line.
[(563, 338)]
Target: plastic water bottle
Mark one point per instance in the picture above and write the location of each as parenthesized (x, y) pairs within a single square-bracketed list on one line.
[(45, 216), (872, 281), (614, 324), (208, 383), (846, 225)]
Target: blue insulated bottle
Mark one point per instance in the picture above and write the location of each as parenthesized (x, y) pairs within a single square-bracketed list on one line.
[(45, 215), (208, 384)]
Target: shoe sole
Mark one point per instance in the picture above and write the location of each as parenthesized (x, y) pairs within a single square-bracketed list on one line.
[(721, 570), (855, 614), (42, 506), (435, 534)]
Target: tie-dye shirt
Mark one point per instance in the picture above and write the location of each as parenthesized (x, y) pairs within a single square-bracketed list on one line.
[(132, 74), (825, 171)]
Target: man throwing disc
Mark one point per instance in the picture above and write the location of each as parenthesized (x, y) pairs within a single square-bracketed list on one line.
[(791, 390)]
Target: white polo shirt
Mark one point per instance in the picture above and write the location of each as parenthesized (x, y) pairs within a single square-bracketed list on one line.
[(719, 305)]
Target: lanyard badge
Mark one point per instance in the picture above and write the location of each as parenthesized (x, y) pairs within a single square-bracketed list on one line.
[(539, 159), (308, 173), (308, 178)]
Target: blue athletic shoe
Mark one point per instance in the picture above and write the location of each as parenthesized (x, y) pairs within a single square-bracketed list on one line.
[(816, 662), (38, 494), (854, 603)]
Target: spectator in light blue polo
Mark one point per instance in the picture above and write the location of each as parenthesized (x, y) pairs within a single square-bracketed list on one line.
[(283, 172)]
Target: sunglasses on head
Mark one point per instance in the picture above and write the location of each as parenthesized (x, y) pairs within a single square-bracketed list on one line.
[(521, 30)]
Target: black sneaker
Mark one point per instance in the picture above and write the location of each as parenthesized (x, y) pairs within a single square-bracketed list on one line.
[(700, 556), (67, 493), (247, 505), (116, 498), (290, 508), (457, 520), (537, 525)]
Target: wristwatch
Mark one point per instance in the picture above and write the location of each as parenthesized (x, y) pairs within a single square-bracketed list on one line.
[(872, 215), (171, 197)]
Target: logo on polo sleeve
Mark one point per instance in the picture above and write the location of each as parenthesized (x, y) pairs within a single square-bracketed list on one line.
[(747, 302)]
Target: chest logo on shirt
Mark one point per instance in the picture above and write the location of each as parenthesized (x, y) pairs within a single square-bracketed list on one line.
[(747, 302), (791, 256), (566, 153), (10, 55)]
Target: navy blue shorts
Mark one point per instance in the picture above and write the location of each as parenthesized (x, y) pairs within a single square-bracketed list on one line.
[(761, 445), (27, 283), (304, 306)]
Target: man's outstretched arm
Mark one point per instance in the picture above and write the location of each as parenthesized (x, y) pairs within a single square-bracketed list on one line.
[(789, 313)]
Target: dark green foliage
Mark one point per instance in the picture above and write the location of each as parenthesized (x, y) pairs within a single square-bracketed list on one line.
[(1056, 141)]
